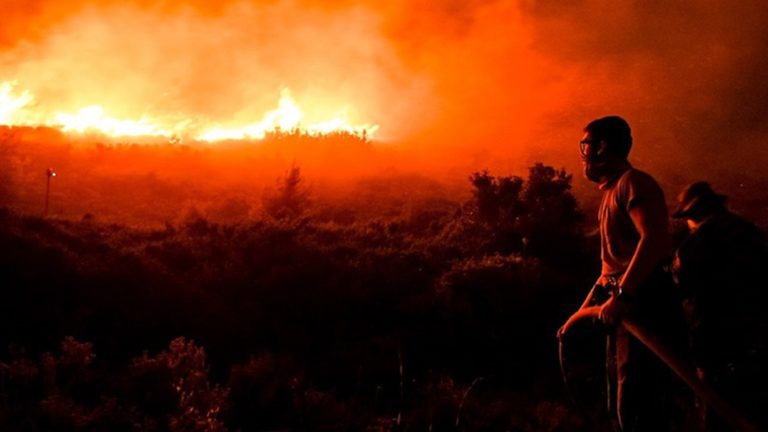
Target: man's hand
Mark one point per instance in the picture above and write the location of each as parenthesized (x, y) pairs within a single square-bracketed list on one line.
[(613, 311), (591, 312)]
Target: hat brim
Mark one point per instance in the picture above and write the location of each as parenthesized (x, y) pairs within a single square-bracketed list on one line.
[(715, 201), (684, 208)]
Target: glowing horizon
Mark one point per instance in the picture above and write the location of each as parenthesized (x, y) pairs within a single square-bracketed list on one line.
[(20, 108)]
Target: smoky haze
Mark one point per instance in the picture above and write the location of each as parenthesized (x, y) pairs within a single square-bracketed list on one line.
[(458, 85), (225, 66)]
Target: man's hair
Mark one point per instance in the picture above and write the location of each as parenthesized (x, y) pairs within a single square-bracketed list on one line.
[(616, 133)]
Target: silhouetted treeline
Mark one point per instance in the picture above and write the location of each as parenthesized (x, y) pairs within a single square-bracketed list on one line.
[(306, 316)]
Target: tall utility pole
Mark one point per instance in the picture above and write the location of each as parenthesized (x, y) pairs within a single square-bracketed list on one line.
[(48, 174)]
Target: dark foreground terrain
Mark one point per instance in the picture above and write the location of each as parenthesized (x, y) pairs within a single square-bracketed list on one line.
[(305, 316)]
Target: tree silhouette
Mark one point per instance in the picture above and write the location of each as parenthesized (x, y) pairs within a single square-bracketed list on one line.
[(497, 198), (291, 198), (538, 216), (552, 223)]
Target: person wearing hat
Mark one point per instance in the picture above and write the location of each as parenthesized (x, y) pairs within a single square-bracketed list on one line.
[(635, 250), (719, 271), (698, 203)]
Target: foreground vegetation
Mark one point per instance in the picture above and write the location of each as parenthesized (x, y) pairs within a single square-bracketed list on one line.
[(305, 317)]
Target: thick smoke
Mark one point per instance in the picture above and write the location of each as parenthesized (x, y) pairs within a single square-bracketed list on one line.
[(224, 65), (518, 80), (464, 84), (689, 75)]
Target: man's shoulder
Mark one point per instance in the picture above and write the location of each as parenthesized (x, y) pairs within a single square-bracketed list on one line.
[(638, 181), (637, 176), (733, 226)]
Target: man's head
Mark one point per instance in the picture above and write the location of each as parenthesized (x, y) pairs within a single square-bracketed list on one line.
[(697, 202), (606, 142)]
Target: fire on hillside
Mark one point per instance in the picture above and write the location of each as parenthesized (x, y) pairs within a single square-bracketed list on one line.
[(21, 108)]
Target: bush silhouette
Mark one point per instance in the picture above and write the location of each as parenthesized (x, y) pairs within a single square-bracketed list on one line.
[(291, 197)]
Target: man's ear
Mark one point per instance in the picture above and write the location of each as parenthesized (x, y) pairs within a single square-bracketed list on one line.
[(602, 148)]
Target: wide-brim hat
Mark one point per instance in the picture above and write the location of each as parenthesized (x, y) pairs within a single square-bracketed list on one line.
[(698, 197)]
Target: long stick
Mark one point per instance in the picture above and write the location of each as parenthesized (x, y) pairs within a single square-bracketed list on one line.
[(700, 388)]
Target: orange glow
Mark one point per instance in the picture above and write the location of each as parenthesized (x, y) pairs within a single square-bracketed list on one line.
[(11, 104), (93, 118), (207, 74), (16, 110), (286, 117), (456, 86)]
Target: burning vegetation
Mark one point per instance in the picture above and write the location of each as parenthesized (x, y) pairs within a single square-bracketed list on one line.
[(21, 109)]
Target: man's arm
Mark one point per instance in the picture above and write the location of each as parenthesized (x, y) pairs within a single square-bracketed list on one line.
[(589, 297), (650, 220)]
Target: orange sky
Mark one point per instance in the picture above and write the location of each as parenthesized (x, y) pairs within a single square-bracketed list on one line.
[(464, 83)]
